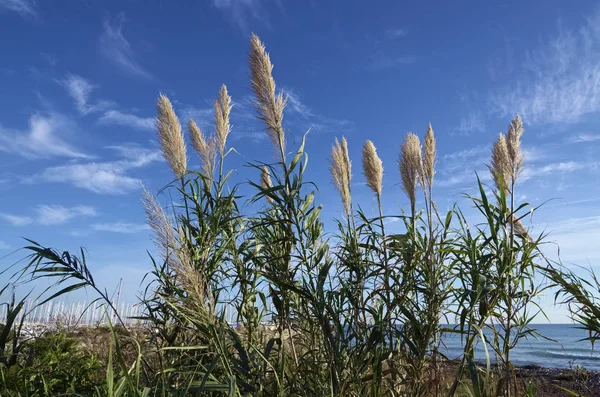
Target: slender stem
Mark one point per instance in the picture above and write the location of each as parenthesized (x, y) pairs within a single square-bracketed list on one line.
[(386, 273)]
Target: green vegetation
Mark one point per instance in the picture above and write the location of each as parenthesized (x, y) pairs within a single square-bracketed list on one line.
[(357, 314)]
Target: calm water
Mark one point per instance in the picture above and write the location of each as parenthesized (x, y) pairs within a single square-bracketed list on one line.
[(569, 350)]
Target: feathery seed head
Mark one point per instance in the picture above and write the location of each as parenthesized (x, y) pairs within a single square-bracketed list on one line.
[(411, 166), (171, 136), (372, 167), (202, 147), (429, 157), (501, 163), (265, 180), (513, 143), (340, 170), (268, 104), (347, 162), (222, 126), (164, 233)]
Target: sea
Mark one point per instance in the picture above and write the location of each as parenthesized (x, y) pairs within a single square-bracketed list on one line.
[(563, 348)]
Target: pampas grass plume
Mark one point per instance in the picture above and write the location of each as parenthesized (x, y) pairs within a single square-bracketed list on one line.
[(341, 170), (268, 104), (171, 137), (205, 149), (222, 126), (429, 158), (411, 166), (372, 167), (501, 164)]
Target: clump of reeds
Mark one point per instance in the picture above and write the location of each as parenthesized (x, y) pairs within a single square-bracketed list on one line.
[(269, 104), (341, 170), (171, 137)]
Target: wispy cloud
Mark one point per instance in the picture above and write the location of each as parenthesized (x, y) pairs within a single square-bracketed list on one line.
[(42, 139), (25, 8), (128, 120), (116, 48), (576, 239), (302, 116), (584, 138), (558, 82), (110, 177), (472, 122), (120, 227), (57, 214), (80, 90), (4, 246), (395, 33), (243, 12), (16, 220), (381, 60), (460, 167)]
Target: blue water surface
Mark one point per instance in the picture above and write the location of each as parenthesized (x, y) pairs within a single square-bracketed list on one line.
[(568, 351)]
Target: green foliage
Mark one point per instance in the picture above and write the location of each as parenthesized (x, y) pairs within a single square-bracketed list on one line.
[(53, 364)]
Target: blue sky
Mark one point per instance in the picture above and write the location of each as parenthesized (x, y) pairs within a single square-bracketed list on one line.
[(80, 79)]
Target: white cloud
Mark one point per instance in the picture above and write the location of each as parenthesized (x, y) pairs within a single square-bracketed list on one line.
[(42, 139), (128, 120), (101, 178), (584, 138), (57, 214), (120, 227), (557, 168), (560, 81), (136, 155), (16, 220), (4, 246), (109, 177), (25, 8), (80, 90), (117, 49)]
